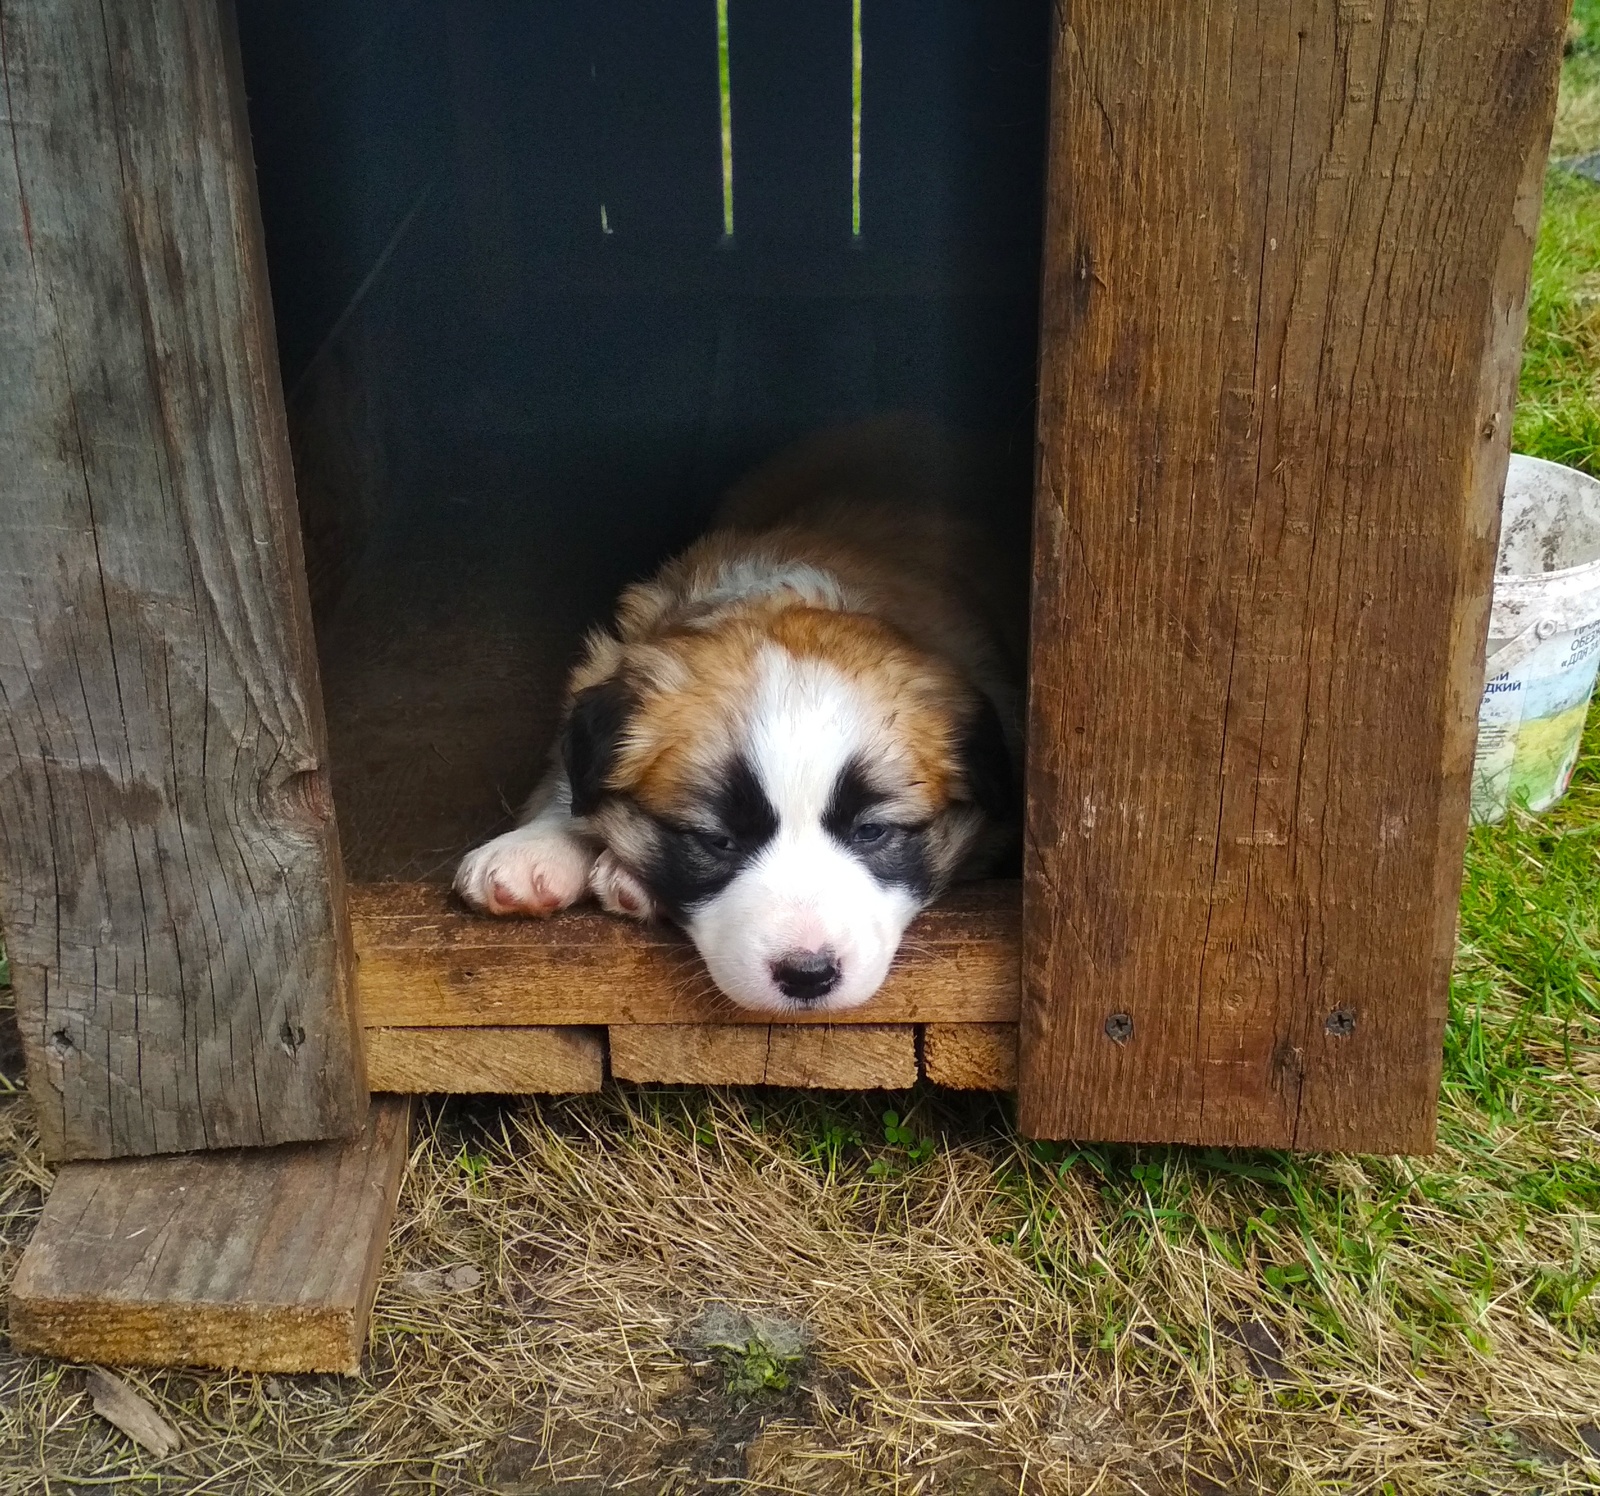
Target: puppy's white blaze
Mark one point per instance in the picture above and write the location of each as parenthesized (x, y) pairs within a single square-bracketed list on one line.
[(804, 891), (806, 722)]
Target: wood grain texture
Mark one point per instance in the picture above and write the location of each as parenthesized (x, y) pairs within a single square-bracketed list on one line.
[(971, 1056), (498, 1061), (425, 962), (263, 1259), (1286, 267), (169, 874), (846, 1057)]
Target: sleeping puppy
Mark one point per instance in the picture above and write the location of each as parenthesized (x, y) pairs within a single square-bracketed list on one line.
[(796, 735)]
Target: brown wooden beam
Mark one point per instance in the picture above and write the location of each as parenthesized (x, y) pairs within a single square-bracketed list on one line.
[(265, 1259), (1286, 265)]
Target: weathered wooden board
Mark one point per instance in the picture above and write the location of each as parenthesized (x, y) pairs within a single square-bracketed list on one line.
[(169, 874), (1286, 267), (265, 1259), (425, 962), (849, 1057), (499, 1061), (971, 1056)]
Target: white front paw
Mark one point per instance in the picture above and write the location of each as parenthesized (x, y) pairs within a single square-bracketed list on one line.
[(532, 870), (618, 890)]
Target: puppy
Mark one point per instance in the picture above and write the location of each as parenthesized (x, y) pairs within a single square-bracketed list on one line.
[(797, 734)]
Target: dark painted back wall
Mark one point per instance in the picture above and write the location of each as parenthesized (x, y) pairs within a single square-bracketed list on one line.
[(498, 222)]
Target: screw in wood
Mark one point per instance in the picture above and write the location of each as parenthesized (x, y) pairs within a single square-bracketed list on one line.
[(1341, 1022), (1119, 1028)]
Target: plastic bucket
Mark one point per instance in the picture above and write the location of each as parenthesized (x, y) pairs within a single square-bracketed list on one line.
[(1544, 638)]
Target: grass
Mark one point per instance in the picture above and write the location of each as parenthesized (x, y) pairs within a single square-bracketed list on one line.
[(1558, 412), (1558, 407), (698, 1290), (1577, 128)]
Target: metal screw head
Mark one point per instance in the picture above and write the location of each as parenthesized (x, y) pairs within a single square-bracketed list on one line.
[(1545, 628), (1341, 1022), (1119, 1028)]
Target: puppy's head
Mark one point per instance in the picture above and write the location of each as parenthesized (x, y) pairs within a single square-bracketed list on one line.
[(791, 789)]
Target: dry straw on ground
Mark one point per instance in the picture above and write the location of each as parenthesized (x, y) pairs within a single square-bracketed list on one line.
[(960, 1317)]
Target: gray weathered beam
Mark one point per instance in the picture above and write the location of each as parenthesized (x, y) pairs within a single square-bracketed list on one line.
[(169, 872)]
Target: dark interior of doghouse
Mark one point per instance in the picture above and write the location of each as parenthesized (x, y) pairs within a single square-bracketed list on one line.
[(523, 352)]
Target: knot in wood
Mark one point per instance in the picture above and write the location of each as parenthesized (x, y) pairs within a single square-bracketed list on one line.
[(302, 801)]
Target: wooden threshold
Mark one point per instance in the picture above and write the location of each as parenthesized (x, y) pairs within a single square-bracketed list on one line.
[(425, 962)]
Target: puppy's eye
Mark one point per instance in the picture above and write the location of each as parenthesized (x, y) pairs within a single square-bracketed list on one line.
[(868, 833), (715, 841)]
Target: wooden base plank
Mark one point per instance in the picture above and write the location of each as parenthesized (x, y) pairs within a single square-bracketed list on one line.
[(843, 1056), (971, 1056), (262, 1259), (425, 962), (501, 1061)]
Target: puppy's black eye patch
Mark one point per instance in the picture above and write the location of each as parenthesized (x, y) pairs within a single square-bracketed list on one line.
[(853, 796), (894, 855), (693, 864)]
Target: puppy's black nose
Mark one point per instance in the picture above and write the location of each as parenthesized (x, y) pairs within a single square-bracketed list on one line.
[(806, 975)]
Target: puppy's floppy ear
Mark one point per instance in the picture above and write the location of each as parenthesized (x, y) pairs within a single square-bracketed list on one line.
[(985, 763), (590, 740)]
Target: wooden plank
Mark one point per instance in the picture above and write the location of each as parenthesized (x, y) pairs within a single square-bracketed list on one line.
[(498, 1061), (425, 963), (169, 873), (849, 1057), (971, 1056), (1286, 267), (262, 1259)]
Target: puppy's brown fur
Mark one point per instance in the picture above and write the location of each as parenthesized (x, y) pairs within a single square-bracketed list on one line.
[(921, 610)]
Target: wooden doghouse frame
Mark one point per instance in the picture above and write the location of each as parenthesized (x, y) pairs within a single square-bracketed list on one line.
[(1283, 295)]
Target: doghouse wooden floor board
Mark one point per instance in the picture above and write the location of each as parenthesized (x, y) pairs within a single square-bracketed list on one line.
[(855, 1057), (423, 961), (264, 1259), (502, 1061), (971, 1056)]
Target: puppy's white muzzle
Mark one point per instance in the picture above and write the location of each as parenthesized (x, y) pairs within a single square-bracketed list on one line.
[(804, 926)]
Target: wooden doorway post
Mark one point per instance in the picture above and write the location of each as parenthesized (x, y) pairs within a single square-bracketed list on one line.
[(170, 885), (1287, 252)]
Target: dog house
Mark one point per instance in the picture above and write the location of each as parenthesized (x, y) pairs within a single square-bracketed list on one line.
[(1241, 293)]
